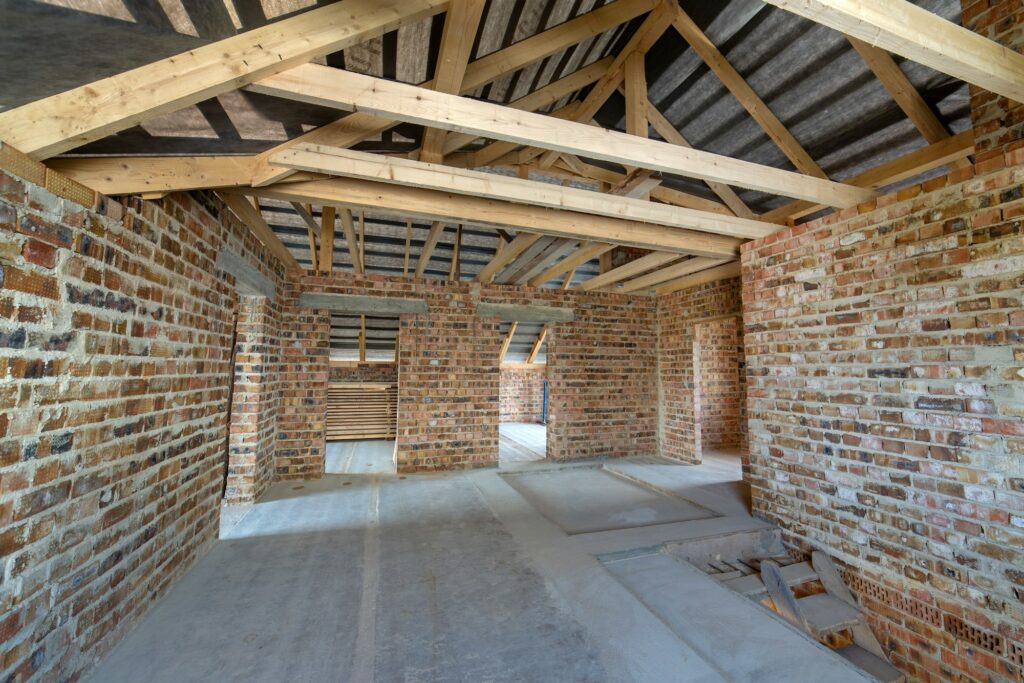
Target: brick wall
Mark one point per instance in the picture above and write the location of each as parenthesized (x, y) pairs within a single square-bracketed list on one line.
[(998, 121), (115, 341), (522, 394), (886, 382), (255, 400), (364, 372), (720, 394), (681, 316), (602, 381)]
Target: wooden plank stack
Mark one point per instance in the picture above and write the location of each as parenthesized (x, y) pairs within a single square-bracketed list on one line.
[(361, 410)]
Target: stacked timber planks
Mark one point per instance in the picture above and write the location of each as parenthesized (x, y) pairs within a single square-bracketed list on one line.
[(361, 410)]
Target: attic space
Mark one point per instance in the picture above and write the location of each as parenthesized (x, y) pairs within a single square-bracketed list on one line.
[(512, 340)]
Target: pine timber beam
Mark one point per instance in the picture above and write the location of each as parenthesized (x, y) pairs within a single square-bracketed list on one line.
[(62, 122), (742, 91), (327, 219), (409, 173), (360, 126), (537, 343), (312, 230), (702, 277), (677, 270), (325, 86), (252, 217), (555, 251), (540, 98), (414, 202), (586, 252), (507, 341), (460, 27), (521, 243), (351, 241), (628, 270), (902, 28), (637, 184), (903, 92), (956, 147), (433, 237)]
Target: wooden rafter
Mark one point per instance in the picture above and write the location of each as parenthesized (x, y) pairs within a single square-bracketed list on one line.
[(252, 217), (507, 341), (414, 202), (903, 28), (628, 270), (903, 93), (521, 243), (556, 250), (325, 86), (670, 134), (460, 27), (947, 151), (641, 40), (537, 344), (586, 252), (636, 184), (409, 173), (351, 241), (746, 96), (62, 122), (433, 237), (408, 246), (676, 270), (360, 126), (327, 218), (454, 271), (312, 229), (702, 277)]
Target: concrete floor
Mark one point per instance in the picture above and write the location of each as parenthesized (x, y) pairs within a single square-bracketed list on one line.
[(458, 577), (368, 456), (522, 442)]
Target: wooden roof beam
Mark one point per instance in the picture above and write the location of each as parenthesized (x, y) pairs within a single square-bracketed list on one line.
[(252, 217), (904, 29), (624, 272), (359, 126), (587, 251), (651, 280), (62, 122), (325, 86), (460, 28)]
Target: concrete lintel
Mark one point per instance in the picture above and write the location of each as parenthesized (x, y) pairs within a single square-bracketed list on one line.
[(525, 313), (248, 278), (365, 305)]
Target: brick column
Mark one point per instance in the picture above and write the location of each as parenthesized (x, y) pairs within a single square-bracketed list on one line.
[(998, 121)]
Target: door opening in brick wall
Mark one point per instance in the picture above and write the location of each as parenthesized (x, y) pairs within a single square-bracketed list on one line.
[(718, 393), (523, 393), (362, 395)]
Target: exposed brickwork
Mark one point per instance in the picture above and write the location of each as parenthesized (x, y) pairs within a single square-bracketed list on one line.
[(602, 398), (364, 372), (885, 355), (522, 394), (115, 341), (998, 121), (719, 390), (681, 316), (255, 400)]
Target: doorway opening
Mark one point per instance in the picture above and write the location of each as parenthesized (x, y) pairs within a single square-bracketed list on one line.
[(719, 394), (523, 394), (362, 395)]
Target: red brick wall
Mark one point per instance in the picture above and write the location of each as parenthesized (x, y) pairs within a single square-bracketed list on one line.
[(522, 394), (255, 400), (680, 317), (998, 121), (720, 393), (602, 381), (364, 372), (115, 341), (885, 350)]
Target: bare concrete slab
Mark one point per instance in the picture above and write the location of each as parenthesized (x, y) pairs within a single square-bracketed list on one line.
[(368, 456), (746, 641), (588, 499)]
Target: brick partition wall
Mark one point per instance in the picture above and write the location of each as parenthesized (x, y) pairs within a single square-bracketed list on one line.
[(886, 382), (115, 341), (602, 380), (682, 316), (522, 394), (255, 399)]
